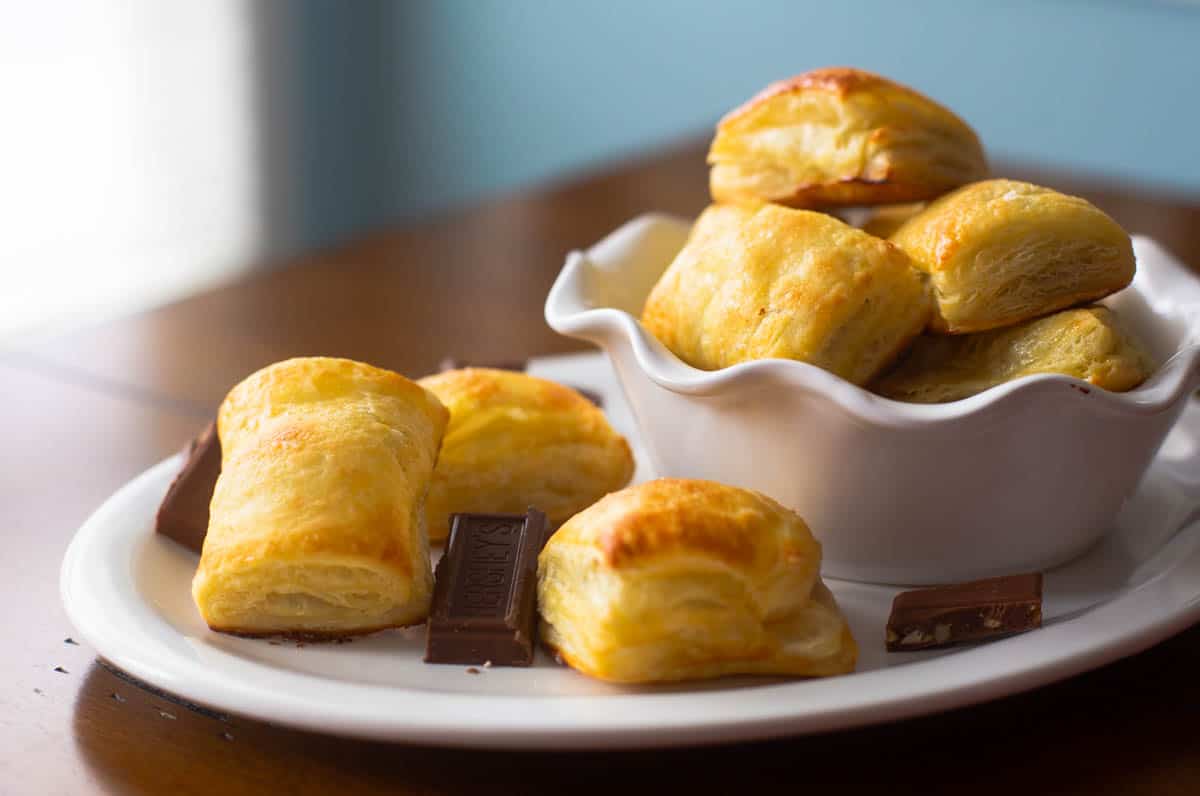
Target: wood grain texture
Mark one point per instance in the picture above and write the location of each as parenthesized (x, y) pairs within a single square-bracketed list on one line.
[(86, 411), (65, 450)]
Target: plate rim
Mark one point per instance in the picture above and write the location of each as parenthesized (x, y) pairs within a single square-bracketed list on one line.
[(626, 720)]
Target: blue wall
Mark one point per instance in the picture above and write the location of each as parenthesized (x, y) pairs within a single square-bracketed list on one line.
[(465, 98)]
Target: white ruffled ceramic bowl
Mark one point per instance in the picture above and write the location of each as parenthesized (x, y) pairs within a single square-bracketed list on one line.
[(1021, 477)]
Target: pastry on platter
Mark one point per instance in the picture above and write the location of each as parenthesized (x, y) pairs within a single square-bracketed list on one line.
[(1000, 252), (755, 283), (838, 137), (1088, 343), (317, 522), (684, 579), (516, 441)]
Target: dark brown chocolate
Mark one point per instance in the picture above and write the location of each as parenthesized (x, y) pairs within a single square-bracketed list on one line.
[(943, 615), (483, 598), (183, 514)]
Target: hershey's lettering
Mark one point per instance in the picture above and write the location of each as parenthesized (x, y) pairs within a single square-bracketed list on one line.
[(483, 598), (486, 571)]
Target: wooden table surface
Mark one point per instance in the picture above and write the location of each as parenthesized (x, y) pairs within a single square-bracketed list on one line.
[(87, 410)]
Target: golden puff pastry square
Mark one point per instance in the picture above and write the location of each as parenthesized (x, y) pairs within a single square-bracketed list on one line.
[(516, 441), (317, 522), (686, 579), (1000, 252), (1088, 343), (756, 283), (838, 137)]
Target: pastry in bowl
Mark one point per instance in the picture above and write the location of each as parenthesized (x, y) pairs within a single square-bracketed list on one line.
[(1000, 252), (317, 521), (684, 579), (516, 441), (757, 283), (841, 137), (1088, 343)]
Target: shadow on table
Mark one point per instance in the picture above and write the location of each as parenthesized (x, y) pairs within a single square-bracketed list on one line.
[(1122, 729)]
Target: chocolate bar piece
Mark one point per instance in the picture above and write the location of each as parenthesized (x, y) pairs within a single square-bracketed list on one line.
[(183, 514), (943, 615), (483, 598)]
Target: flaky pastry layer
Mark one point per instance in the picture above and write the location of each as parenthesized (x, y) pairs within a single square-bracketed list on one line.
[(684, 579), (840, 137), (317, 523), (1088, 343), (516, 441), (1000, 252), (755, 283)]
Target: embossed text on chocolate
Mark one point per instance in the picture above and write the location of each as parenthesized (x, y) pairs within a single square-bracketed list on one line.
[(483, 598), (488, 570)]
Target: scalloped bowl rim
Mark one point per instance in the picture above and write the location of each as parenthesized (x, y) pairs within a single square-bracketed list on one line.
[(1174, 379)]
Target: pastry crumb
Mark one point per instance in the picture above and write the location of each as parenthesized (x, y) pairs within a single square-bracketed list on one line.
[(61, 670), (473, 670)]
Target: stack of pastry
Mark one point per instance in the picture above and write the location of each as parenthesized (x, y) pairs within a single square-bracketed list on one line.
[(955, 282), (336, 476)]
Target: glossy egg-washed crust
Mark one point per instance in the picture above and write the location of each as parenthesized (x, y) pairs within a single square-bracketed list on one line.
[(1000, 252), (679, 579), (1088, 343), (839, 137), (316, 525), (516, 441), (756, 283)]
